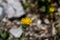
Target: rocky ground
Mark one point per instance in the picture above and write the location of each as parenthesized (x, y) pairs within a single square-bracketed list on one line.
[(43, 27)]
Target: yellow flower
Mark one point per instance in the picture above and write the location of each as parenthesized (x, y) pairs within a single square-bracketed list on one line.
[(51, 9), (27, 21)]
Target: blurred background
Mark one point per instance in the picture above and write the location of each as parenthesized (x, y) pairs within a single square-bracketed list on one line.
[(29, 19)]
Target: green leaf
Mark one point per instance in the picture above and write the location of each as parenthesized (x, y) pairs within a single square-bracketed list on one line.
[(14, 39), (24, 27), (26, 5), (1, 39), (22, 38), (37, 1), (4, 35), (43, 0), (43, 9)]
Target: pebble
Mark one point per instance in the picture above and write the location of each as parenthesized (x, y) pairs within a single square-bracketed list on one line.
[(16, 32), (46, 21)]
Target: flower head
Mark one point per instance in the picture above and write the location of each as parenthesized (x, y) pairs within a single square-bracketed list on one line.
[(51, 9), (27, 21)]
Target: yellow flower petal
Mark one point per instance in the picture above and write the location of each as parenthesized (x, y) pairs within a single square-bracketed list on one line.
[(52, 9), (27, 21)]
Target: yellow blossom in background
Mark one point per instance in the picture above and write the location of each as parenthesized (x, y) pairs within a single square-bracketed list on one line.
[(27, 21), (51, 9)]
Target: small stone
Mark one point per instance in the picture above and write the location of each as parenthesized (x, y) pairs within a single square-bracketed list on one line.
[(29, 15), (30, 38), (39, 22), (35, 28), (16, 32), (4, 20), (18, 23), (31, 34), (25, 38), (46, 39), (46, 21), (26, 34), (58, 9), (14, 9), (53, 31)]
